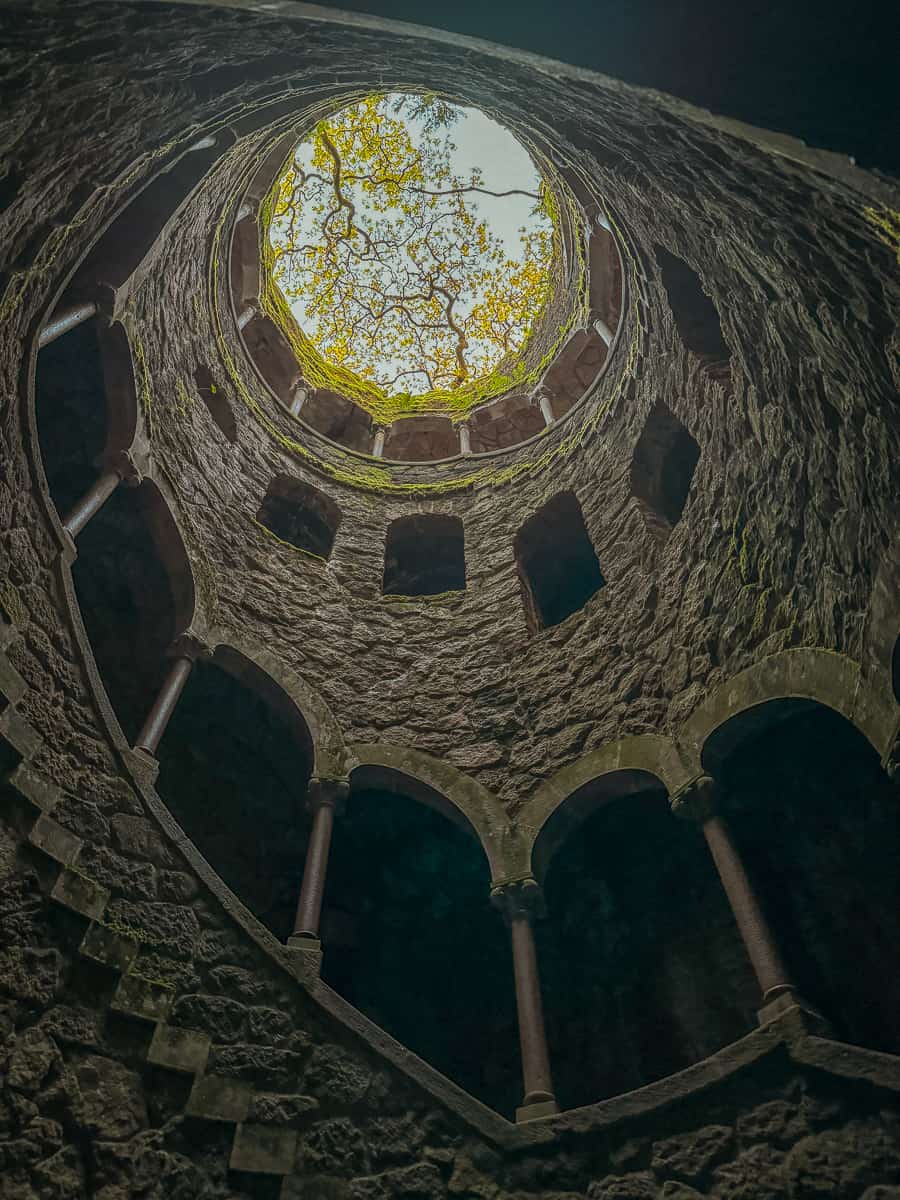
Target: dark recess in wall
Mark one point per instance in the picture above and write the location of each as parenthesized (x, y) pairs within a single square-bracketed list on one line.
[(557, 563), (424, 555), (301, 515)]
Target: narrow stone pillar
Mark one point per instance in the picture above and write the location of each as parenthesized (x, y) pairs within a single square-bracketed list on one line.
[(184, 653), (91, 502), (120, 468), (465, 439), (543, 398), (69, 318), (205, 143), (378, 444), (245, 316), (299, 396), (601, 327), (521, 901), (325, 797), (699, 802)]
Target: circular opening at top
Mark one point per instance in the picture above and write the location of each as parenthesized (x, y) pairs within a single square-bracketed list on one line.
[(413, 249)]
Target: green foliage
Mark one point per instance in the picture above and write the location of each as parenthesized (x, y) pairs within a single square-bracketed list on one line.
[(356, 472), (404, 282)]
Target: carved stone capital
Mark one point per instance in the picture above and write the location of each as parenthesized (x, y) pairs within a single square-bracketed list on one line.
[(327, 791), (188, 645), (519, 898), (127, 467), (697, 801)]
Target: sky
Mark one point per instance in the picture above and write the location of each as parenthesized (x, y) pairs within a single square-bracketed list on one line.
[(505, 165)]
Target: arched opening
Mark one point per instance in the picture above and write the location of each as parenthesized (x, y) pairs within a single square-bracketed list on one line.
[(123, 253), (662, 469), (71, 413), (411, 938), (818, 827), (558, 566), (422, 439), (696, 316), (299, 514), (216, 402), (234, 768), (642, 966), (85, 407), (338, 418), (505, 422), (135, 592), (424, 555)]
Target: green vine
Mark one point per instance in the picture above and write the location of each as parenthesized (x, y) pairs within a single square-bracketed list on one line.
[(457, 404), (886, 224)]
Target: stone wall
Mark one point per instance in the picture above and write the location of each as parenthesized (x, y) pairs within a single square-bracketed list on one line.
[(160, 1042)]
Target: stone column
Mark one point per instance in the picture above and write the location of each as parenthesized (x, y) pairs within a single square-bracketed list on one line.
[(184, 653), (465, 439), (521, 901), (600, 327), (91, 502), (299, 396), (246, 315), (205, 143), (543, 398), (324, 798), (120, 468), (68, 319), (378, 444), (699, 802)]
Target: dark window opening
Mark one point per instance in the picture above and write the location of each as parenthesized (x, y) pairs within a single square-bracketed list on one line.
[(338, 418), (411, 940), (129, 240), (662, 980), (557, 563), (71, 413), (424, 555), (422, 439), (216, 403), (300, 515), (125, 594), (816, 822), (696, 317), (234, 768), (662, 469)]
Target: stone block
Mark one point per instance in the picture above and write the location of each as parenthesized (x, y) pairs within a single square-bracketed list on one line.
[(216, 1098), (57, 843), (81, 894), (31, 786), (264, 1149), (179, 1049), (22, 736), (103, 945), (12, 686), (137, 997)]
